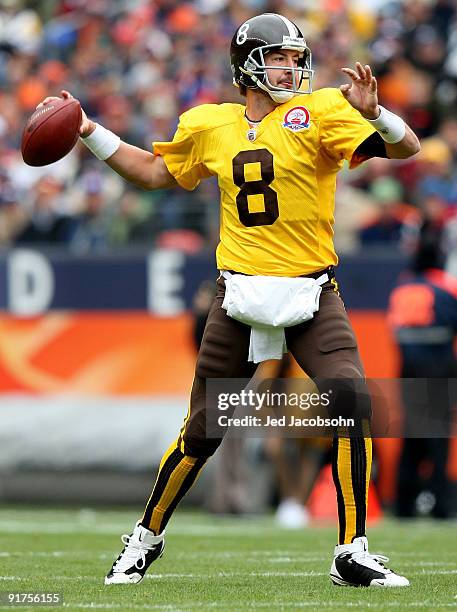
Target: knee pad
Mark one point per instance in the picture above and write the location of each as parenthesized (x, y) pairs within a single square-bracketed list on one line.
[(200, 447), (350, 398)]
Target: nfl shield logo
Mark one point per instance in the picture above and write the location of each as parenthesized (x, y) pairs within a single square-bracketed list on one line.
[(297, 119)]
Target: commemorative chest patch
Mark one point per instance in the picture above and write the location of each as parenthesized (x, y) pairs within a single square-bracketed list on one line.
[(297, 119)]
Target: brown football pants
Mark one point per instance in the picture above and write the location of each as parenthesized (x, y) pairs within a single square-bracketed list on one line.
[(324, 347)]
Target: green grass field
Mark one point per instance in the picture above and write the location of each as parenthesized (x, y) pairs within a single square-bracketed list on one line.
[(218, 563)]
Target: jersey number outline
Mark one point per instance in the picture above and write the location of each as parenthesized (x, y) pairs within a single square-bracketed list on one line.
[(261, 187), (242, 35)]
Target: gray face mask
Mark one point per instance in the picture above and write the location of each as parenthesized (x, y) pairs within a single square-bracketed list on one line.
[(256, 66)]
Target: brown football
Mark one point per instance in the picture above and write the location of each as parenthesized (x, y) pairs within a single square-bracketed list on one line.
[(51, 132)]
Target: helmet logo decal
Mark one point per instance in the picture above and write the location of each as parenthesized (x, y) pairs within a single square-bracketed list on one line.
[(242, 35), (294, 43), (297, 119)]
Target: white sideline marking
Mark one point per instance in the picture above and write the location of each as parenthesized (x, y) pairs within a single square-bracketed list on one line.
[(266, 558), (434, 573), (253, 556), (430, 564), (202, 576), (234, 575), (280, 574), (422, 553), (166, 575), (38, 553), (175, 575), (94, 606), (253, 605), (107, 529), (270, 556), (98, 578), (51, 553)]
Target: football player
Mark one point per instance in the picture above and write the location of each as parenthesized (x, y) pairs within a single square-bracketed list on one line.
[(276, 159)]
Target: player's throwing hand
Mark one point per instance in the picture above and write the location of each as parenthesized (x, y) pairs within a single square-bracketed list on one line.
[(87, 126), (362, 93)]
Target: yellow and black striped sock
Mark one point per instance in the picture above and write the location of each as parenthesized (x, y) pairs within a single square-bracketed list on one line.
[(177, 473), (351, 468)]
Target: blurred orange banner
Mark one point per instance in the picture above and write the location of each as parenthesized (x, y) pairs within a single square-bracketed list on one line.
[(131, 353), (102, 353)]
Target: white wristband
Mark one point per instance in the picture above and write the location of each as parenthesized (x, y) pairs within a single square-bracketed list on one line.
[(391, 127), (102, 142)]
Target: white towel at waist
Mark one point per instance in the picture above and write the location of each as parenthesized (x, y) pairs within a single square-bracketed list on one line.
[(269, 304)]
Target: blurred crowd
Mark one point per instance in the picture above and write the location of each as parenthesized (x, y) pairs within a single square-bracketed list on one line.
[(137, 64)]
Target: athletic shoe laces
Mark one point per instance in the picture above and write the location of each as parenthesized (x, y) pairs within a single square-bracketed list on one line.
[(374, 562), (133, 555)]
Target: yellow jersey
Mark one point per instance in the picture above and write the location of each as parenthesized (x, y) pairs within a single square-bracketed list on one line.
[(277, 181)]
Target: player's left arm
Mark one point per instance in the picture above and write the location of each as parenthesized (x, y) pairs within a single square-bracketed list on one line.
[(362, 94)]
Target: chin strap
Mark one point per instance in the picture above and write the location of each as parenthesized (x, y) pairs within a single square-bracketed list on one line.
[(276, 96)]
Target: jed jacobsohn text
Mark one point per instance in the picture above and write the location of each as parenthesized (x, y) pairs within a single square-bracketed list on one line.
[(257, 401), (283, 421)]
